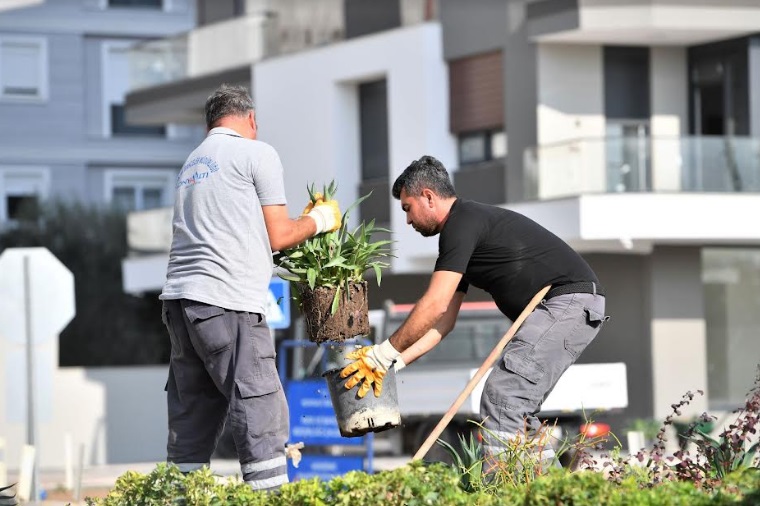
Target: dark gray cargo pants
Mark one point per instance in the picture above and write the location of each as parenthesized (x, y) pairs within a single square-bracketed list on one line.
[(550, 339), (224, 362)]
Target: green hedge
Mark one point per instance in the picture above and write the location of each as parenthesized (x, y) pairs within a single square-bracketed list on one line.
[(418, 484)]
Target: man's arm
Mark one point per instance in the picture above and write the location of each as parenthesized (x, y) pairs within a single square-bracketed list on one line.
[(429, 311), (440, 330), (285, 232)]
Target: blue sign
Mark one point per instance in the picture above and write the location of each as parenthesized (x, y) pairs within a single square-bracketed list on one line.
[(278, 304), (324, 467), (312, 416)]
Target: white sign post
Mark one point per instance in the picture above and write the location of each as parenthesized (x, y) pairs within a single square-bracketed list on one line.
[(37, 292)]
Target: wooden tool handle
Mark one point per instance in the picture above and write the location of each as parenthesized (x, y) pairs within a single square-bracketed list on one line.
[(490, 360)]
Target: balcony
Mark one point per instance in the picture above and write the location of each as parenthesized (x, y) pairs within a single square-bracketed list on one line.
[(170, 79), (640, 22), (643, 164), (629, 194)]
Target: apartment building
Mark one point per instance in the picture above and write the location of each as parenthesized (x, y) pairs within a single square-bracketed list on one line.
[(64, 73), (630, 128)]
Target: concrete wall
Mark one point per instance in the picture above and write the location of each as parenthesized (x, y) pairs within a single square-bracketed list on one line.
[(754, 86), (570, 106), (626, 336), (118, 414), (313, 121), (670, 114), (472, 27), (521, 100), (679, 348)]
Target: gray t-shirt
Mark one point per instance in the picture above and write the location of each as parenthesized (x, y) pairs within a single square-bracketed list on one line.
[(220, 251)]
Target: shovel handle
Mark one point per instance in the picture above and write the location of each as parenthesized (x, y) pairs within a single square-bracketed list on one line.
[(495, 354)]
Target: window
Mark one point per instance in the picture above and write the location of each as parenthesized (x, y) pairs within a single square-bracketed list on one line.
[(477, 147), (119, 125), (150, 4), (21, 191), (23, 68), (116, 79), (139, 189)]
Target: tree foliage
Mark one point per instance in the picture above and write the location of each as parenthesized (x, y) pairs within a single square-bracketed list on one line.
[(110, 326)]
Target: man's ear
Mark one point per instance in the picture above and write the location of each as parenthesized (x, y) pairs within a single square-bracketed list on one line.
[(429, 196), (252, 120)]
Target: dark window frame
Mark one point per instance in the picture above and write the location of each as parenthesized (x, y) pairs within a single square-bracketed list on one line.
[(135, 4), (119, 126)]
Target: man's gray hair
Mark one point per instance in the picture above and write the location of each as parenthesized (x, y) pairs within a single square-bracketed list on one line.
[(427, 172), (227, 100)]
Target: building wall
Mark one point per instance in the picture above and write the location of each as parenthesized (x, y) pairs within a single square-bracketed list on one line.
[(472, 27), (314, 122), (118, 414), (678, 330), (626, 336), (65, 133), (670, 114)]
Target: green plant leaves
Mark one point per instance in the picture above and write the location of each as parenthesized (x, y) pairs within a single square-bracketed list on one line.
[(338, 258)]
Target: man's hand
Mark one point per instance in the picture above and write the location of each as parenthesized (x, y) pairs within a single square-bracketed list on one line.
[(317, 199), (371, 365), (325, 213)]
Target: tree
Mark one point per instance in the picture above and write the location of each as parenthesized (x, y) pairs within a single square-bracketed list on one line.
[(110, 327)]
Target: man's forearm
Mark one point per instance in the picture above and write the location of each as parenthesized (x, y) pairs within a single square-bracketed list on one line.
[(424, 316), (423, 345)]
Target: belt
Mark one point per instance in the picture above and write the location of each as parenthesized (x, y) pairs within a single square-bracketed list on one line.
[(579, 287)]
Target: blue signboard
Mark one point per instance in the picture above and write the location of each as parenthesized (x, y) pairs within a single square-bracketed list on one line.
[(278, 304), (324, 467), (312, 416)]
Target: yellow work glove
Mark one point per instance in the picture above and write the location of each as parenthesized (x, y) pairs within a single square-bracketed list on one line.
[(326, 214), (317, 199), (371, 363)]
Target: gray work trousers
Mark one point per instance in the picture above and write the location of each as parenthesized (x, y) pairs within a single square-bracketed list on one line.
[(223, 362), (550, 339)]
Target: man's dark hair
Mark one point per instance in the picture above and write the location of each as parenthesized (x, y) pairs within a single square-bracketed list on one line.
[(427, 172), (227, 101)]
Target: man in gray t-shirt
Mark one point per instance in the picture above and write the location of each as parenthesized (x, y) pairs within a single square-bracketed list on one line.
[(229, 215)]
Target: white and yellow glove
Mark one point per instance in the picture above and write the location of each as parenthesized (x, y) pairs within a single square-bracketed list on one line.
[(371, 364), (325, 213)]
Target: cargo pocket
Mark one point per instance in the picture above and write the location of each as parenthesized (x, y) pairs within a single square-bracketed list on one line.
[(595, 319), (257, 386), (585, 332), (208, 322), (524, 367), (519, 392)]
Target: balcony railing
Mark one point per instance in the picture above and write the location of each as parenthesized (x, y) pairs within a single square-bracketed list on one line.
[(643, 163), (280, 28), (158, 61)]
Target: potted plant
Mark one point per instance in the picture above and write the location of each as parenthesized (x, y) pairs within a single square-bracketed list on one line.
[(328, 273)]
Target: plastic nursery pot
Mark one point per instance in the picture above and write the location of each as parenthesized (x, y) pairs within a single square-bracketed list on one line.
[(350, 320), (356, 417)]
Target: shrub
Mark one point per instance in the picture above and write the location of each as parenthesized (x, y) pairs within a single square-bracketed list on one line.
[(418, 484)]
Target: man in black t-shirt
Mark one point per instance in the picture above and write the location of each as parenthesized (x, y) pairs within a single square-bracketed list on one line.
[(512, 258)]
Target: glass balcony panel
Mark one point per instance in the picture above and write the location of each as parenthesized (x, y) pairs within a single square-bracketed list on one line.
[(642, 163), (157, 62)]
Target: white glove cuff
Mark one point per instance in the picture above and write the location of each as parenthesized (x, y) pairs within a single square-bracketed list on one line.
[(399, 364), (386, 353), (319, 218)]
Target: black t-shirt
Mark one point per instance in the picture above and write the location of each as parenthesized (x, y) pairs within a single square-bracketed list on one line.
[(506, 254)]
